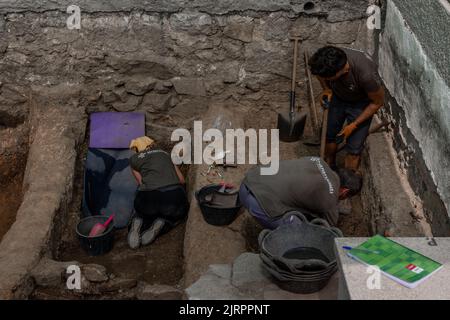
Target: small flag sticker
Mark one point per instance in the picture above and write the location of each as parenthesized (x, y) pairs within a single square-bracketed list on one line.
[(414, 268)]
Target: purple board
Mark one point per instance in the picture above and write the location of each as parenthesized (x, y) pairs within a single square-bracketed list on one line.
[(115, 130)]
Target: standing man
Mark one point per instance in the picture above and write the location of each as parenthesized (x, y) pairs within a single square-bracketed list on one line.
[(353, 87)]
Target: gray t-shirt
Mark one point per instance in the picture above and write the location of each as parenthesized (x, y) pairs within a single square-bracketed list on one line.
[(307, 184), (156, 168), (362, 78)]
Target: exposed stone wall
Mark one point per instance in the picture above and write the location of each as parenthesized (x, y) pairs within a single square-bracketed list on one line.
[(168, 59), (413, 62)]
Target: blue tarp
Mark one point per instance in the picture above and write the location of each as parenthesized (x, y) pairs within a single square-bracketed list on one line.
[(109, 186)]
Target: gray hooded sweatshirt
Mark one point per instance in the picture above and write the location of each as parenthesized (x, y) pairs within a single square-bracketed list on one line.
[(307, 185)]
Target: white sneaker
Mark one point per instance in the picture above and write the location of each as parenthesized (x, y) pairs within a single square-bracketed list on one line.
[(134, 234), (149, 235)]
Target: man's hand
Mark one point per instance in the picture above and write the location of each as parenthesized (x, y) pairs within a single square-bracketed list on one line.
[(348, 130), (326, 94)]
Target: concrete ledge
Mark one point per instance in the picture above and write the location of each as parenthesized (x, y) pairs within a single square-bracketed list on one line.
[(354, 276), (390, 203), (56, 130)]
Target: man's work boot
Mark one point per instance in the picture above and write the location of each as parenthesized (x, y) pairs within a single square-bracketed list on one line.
[(352, 162)]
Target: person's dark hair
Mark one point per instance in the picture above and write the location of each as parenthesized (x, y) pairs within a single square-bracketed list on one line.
[(327, 61), (350, 180)]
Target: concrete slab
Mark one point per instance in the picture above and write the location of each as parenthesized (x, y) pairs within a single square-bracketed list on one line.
[(354, 281), (249, 273), (211, 287), (247, 279), (389, 201)]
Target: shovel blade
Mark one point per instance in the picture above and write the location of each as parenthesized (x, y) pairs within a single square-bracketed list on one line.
[(291, 126)]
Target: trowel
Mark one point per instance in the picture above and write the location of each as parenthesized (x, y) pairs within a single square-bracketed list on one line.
[(99, 228)]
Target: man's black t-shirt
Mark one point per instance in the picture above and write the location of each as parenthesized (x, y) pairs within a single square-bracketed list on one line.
[(362, 78), (156, 168)]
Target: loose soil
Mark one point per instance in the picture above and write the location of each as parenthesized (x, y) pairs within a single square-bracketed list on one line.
[(12, 168), (355, 224), (10, 199), (158, 263)]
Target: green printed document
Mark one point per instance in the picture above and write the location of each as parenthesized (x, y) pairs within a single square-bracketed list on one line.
[(399, 263)]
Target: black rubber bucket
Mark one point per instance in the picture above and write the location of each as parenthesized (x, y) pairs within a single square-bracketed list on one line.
[(303, 286), (218, 215), (300, 254), (95, 246)]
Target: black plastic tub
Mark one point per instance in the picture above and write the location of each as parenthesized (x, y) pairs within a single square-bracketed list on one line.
[(99, 245), (303, 287), (214, 214)]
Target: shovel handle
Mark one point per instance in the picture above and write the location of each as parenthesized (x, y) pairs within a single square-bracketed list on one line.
[(292, 102), (323, 139), (294, 68), (312, 105)]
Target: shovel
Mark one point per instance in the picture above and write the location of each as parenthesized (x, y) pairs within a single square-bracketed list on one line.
[(292, 126), (323, 139), (314, 141), (99, 228)]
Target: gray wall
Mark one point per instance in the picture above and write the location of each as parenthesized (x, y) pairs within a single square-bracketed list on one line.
[(414, 63), (167, 58)]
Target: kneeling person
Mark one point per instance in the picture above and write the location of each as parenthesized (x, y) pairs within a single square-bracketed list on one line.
[(161, 200), (307, 185)]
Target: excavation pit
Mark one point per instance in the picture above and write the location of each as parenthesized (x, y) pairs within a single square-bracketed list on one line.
[(174, 62)]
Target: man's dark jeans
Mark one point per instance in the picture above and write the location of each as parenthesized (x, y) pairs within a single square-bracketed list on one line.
[(341, 111), (249, 201)]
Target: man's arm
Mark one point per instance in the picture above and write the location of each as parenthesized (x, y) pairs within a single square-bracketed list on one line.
[(327, 92), (323, 83), (180, 175), (377, 99), (137, 176)]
